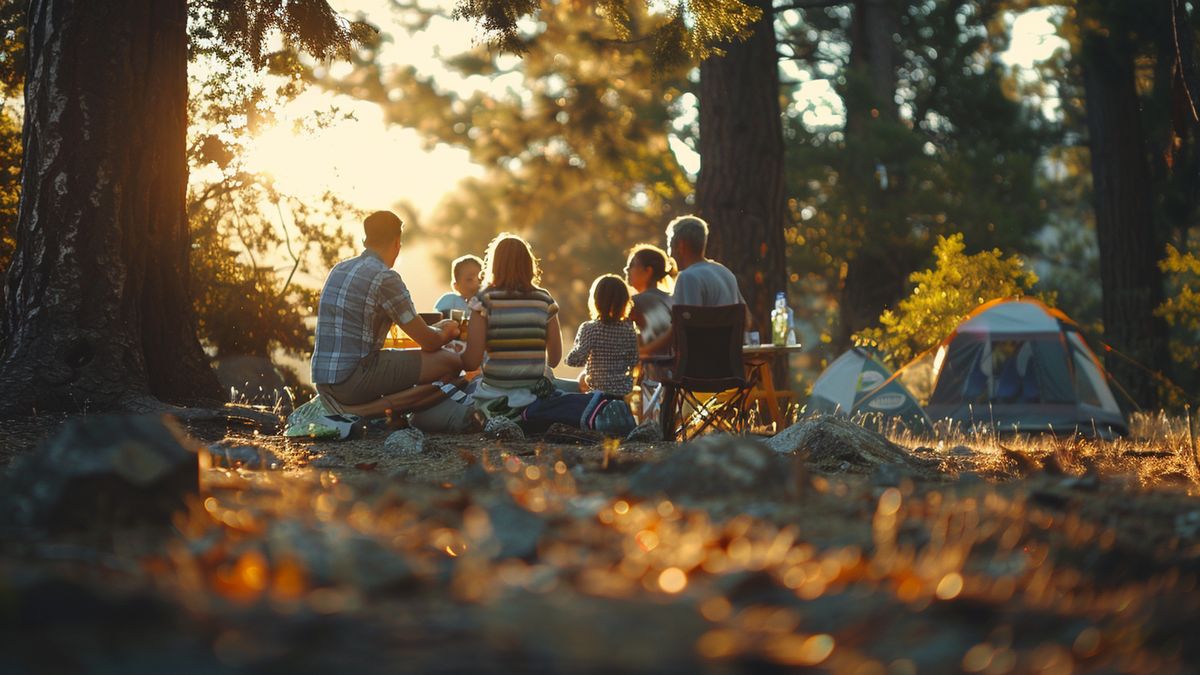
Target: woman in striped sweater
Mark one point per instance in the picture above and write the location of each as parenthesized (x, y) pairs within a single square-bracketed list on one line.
[(513, 332)]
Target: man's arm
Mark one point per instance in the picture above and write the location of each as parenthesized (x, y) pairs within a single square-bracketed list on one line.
[(431, 338), (396, 303)]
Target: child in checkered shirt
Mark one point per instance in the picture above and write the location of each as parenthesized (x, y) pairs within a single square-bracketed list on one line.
[(607, 346)]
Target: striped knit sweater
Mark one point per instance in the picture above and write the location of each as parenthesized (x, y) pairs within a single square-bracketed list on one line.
[(516, 336)]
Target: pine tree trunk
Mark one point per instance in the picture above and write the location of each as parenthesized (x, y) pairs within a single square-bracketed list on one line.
[(878, 265), (98, 314), (1130, 243), (740, 188)]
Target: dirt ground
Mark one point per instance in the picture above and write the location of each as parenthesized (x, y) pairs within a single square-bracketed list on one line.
[(477, 555)]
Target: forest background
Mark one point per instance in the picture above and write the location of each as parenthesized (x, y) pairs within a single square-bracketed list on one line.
[(588, 142)]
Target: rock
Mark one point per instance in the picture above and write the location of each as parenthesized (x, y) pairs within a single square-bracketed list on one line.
[(649, 431), (232, 456), (961, 451), (515, 530), (327, 462), (405, 442), (102, 471), (716, 466), (1187, 525), (334, 554), (885, 475), (835, 444), (503, 429), (362, 562)]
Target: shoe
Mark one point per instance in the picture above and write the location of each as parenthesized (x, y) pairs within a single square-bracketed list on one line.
[(503, 429)]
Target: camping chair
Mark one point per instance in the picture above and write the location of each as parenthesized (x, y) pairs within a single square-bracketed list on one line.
[(708, 360)]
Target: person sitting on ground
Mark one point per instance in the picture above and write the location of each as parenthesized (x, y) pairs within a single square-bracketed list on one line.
[(362, 297), (701, 281), (648, 266), (607, 346), (466, 276), (514, 323)]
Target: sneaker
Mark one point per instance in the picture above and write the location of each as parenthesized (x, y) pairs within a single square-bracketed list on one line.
[(503, 429)]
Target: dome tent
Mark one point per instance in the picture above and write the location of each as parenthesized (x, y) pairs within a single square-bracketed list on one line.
[(858, 384), (1019, 365)]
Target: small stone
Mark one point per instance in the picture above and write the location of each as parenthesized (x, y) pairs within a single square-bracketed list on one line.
[(961, 451), (649, 431), (515, 530), (326, 462), (232, 456), (405, 442), (503, 429)]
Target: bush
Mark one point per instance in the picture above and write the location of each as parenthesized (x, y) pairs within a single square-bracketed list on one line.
[(943, 296)]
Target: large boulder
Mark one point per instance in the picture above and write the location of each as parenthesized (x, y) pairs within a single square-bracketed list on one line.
[(834, 444), (717, 466), (103, 471)]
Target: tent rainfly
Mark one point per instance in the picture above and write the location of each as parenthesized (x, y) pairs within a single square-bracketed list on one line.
[(1019, 365), (851, 385)]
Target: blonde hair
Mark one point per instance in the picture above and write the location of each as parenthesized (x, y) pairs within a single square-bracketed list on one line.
[(609, 298), (509, 264)]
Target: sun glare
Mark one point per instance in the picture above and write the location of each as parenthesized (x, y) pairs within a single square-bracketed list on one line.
[(360, 159)]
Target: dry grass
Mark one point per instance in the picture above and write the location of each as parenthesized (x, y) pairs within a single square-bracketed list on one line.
[(1031, 555)]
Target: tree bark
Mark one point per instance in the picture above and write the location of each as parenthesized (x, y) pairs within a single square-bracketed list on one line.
[(878, 265), (1130, 243), (98, 314), (740, 188)]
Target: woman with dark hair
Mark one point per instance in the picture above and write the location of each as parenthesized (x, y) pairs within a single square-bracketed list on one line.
[(647, 269)]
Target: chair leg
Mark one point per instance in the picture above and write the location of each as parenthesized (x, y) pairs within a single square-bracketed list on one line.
[(666, 412)]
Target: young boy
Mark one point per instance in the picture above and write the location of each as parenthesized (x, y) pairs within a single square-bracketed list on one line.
[(466, 274)]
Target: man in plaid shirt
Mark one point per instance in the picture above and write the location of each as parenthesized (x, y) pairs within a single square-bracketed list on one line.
[(362, 298)]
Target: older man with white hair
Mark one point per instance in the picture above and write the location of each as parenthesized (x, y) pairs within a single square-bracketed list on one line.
[(701, 281)]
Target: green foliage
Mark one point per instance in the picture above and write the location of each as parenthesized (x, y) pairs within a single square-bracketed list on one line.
[(576, 157), (245, 27), (249, 240), (1182, 311), (960, 155), (693, 31), (944, 295), (12, 76), (10, 183)]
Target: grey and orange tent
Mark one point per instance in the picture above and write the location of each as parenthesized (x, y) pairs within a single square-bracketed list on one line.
[(859, 385), (1020, 365)]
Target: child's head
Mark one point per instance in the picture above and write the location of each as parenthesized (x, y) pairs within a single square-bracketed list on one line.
[(609, 299), (510, 264), (466, 275), (648, 265)]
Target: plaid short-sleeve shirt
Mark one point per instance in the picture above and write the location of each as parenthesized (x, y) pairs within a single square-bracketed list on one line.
[(361, 299)]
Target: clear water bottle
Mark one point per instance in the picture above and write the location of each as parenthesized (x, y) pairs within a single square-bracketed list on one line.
[(779, 321)]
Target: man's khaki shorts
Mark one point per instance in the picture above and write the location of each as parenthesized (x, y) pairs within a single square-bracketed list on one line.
[(385, 372)]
